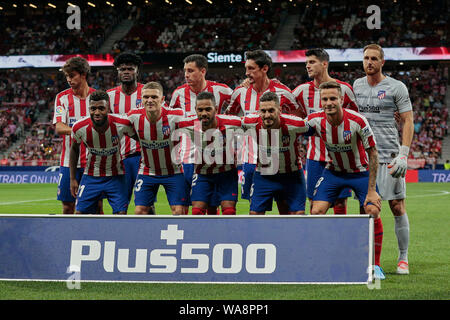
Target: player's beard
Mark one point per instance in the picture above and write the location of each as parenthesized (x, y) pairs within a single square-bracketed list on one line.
[(99, 123), (373, 70)]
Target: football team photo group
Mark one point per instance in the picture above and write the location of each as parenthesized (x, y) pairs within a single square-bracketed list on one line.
[(210, 145)]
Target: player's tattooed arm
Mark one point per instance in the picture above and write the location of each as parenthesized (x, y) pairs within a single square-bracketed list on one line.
[(372, 195), (373, 167)]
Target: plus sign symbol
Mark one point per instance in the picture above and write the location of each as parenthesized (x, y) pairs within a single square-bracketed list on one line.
[(172, 234)]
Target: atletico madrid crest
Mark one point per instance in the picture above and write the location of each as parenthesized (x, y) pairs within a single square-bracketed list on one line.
[(347, 135), (115, 140), (166, 130), (381, 94)]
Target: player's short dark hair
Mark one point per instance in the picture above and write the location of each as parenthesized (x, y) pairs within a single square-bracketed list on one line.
[(205, 95), (331, 85), (321, 54), (99, 95), (128, 58), (260, 57), (77, 64), (270, 96), (200, 60)]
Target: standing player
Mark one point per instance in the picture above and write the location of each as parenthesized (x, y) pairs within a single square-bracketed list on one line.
[(101, 133), (185, 97), (308, 97), (245, 100), (379, 97), (71, 105), (154, 126), (284, 181), (214, 174), (347, 136), (123, 99)]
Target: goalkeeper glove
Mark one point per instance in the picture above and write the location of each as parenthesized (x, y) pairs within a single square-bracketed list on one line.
[(399, 165)]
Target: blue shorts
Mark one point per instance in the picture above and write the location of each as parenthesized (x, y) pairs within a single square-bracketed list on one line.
[(314, 171), (248, 171), (223, 186), (282, 186), (146, 189), (331, 183), (188, 171), (63, 193), (92, 189), (131, 165)]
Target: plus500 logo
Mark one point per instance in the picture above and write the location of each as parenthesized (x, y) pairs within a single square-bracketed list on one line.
[(229, 258)]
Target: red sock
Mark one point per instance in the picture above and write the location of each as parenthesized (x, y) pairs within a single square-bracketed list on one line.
[(213, 211), (229, 211), (340, 210), (378, 231), (198, 211)]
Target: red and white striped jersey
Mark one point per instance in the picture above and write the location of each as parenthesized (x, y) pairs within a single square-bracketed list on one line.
[(285, 147), (122, 103), (69, 109), (183, 97), (308, 97), (347, 143), (156, 143), (104, 158), (245, 101), (216, 154)]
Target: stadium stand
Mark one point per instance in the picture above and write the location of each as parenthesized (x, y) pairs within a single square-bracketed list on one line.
[(44, 30), (411, 24), (201, 28)]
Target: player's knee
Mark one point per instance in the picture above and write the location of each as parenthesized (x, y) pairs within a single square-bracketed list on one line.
[(68, 208), (372, 210), (340, 203), (318, 210), (178, 210), (141, 210), (397, 207)]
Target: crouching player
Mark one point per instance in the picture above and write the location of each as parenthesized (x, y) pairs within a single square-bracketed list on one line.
[(215, 173), (351, 145), (104, 173), (277, 174)]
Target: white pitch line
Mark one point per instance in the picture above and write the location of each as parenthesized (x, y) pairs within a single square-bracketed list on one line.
[(440, 193), (24, 201)]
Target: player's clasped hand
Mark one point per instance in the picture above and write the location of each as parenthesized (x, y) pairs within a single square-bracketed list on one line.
[(373, 198)]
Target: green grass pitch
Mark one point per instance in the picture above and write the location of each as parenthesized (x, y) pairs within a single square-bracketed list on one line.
[(428, 207)]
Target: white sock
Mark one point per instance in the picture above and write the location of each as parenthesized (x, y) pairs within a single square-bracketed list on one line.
[(402, 233)]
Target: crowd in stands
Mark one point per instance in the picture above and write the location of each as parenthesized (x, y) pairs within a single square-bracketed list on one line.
[(222, 26), (45, 30), (403, 23), (24, 95), (219, 27)]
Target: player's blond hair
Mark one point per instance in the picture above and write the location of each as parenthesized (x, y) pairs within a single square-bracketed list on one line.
[(377, 47), (154, 85)]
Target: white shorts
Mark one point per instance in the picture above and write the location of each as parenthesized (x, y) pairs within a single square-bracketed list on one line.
[(390, 188)]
